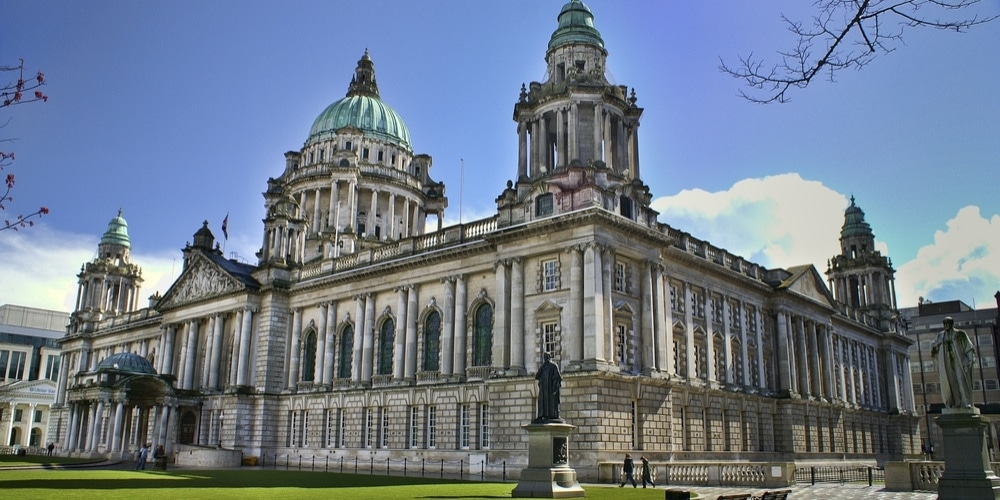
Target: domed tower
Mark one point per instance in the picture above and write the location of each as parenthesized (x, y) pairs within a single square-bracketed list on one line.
[(355, 183), (861, 278), (108, 285), (578, 140)]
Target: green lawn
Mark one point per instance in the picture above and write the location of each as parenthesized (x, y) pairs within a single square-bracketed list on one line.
[(65, 484)]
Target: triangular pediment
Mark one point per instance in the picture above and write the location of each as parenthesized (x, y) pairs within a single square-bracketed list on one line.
[(201, 279), (26, 391), (807, 282)]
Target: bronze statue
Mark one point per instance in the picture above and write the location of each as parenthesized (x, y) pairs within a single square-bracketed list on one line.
[(549, 383), (954, 354)]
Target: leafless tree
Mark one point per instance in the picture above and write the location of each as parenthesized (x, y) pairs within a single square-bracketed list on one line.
[(12, 93), (845, 34)]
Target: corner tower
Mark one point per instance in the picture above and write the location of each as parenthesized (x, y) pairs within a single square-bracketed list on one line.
[(578, 143), (861, 278), (108, 285)]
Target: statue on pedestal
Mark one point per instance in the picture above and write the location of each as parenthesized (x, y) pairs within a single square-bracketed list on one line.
[(549, 383), (954, 355)]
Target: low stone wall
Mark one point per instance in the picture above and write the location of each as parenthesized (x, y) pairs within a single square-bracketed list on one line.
[(208, 457), (757, 475), (918, 475)]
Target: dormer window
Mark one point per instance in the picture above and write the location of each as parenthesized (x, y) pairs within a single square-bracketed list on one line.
[(625, 207), (543, 205), (364, 153)]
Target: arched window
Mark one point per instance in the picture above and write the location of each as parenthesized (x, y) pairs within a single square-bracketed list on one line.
[(432, 342), (309, 357), (482, 336), (35, 438), (346, 352), (386, 337)]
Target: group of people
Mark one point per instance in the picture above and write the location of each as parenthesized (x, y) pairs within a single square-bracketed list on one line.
[(628, 471)]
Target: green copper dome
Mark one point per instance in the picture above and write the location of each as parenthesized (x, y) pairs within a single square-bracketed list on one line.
[(854, 222), (363, 109), (576, 25), (117, 233)]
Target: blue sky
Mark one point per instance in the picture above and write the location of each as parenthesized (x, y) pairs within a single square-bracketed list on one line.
[(178, 112)]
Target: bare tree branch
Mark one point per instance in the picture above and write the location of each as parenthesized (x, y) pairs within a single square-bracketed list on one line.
[(848, 34), (12, 93)]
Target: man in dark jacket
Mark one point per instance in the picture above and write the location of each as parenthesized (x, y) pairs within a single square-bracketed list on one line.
[(628, 469)]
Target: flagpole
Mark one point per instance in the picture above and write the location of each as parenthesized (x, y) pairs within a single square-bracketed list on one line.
[(461, 190)]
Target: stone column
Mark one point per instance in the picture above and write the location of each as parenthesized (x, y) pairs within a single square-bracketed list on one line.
[(593, 297), (371, 214), (359, 329), (331, 339), (759, 336), (320, 361), (447, 337), (410, 368), (368, 344), (727, 347), (501, 320), (399, 353), (192, 362), (522, 150), (786, 369), (574, 324), (802, 361), (815, 375), (574, 126), (666, 318), (603, 341), (460, 345), (246, 337), (517, 316), (116, 434), (744, 338), (647, 346), (294, 348), (709, 339)]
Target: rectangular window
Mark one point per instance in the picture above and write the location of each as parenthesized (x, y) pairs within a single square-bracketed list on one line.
[(464, 427), (414, 427), (369, 427), (52, 367), (550, 275), (331, 428), (305, 428), (292, 429), (16, 366), (717, 310), (929, 365), (484, 426), (18, 413), (550, 341), (634, 428), (321, 151), (991, 384), (988, 361), (621, 344), (918, 388), (341, 428), (985, 339), (364, 153), (431, 427), (4, 355), (620, 277), (977, 385), (380, 155), (697, 304), (384, 429)]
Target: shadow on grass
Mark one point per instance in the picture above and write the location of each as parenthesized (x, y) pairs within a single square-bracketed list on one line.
[(208, 480)]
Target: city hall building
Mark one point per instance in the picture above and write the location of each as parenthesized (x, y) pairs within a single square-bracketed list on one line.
[(367, 330)]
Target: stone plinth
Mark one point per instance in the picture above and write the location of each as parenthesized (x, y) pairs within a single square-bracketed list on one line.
[(967, 473), (548, 474)]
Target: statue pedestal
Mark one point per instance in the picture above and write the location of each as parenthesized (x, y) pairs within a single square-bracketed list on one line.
[(967, 473), (548, 474)]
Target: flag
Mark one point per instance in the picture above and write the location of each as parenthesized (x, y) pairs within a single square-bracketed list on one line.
[(225, 227)]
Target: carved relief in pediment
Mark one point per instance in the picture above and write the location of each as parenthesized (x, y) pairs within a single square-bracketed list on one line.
[(200, 280)]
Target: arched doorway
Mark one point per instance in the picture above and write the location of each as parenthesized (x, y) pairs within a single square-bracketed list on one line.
[(189, 425), (15, 436), (35, 439)]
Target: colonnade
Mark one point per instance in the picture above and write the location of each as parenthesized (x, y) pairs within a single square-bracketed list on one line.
[(182, 343), (875, 286), (556, 136), (115, 294), (114, 425)]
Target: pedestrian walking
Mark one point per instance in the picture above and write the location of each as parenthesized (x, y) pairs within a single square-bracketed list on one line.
[(143, 454), (628, 470), (647, 472)]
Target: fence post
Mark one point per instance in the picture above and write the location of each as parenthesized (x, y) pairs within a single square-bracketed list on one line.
[(504, 471), (355, 464), (442, 468), (869, 476), (387, 466), (371, 466), (482, 470), (461, 469), (404, 466), (327, 467), (423, 462), (812, 475), (300, 462)]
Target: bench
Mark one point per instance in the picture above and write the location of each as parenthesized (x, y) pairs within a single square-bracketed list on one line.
[(775, 495), (742, 496)]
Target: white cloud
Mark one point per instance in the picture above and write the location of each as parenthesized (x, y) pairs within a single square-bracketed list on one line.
[(963, 263), (39, 267), (778, 221)]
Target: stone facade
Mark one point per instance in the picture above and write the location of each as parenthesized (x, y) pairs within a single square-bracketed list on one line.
[(361, 334)]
